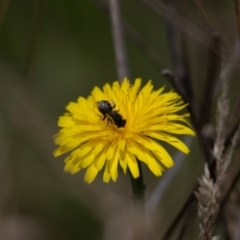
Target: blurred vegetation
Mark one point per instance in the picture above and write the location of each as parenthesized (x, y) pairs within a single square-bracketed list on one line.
[(53, 51)]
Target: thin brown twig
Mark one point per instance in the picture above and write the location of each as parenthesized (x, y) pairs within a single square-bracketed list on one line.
[(185, 74), (190, 29), (181, 90), (136, 38), (180, 22), (180, 58), (237, 9), (183, 71), (191, 199), (235, 114), (231, 179), (209, 16), (171, 39), (186, 220), (210, 20), (118, 40), (213, 68)]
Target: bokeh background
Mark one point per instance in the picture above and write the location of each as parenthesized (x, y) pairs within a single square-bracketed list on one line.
[(51, 52)]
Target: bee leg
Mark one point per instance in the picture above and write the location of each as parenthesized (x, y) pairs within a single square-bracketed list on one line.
[(107, 122), (112, 121), (112, 104), (103, 117)]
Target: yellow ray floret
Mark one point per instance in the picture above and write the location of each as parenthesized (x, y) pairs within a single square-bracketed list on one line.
[(120, 125)]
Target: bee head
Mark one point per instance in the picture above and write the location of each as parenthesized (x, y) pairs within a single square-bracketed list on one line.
[(104, 107)]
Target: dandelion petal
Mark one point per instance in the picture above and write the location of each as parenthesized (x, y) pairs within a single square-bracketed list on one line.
[(90, 174), (132, 164)]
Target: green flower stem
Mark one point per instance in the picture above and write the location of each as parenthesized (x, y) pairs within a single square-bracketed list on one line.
[(138, 186)]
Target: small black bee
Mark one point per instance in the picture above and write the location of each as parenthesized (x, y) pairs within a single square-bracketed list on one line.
[(106, 108)]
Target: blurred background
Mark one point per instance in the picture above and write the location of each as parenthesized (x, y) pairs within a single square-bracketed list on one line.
[(52, 52)]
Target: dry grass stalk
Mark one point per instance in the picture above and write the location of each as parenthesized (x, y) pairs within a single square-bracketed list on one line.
[(209, 193)]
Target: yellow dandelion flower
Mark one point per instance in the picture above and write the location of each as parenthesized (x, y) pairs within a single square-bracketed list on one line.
[(117, 126)]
